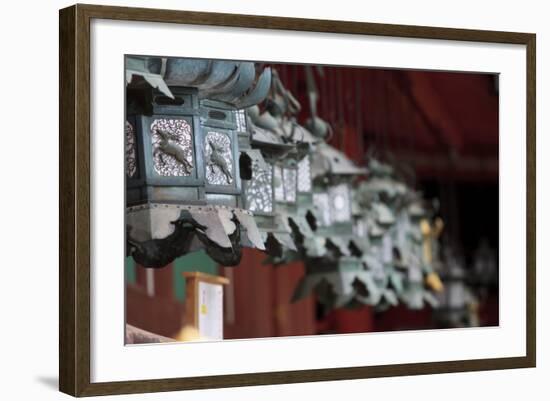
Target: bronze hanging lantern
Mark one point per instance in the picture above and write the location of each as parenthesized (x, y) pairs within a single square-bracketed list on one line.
[(458, 305), (273, 133), (183, 177), (265, 192), (333, 269)]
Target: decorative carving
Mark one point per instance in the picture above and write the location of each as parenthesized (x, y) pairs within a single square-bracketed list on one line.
[(219, 158), (360, 228), (278, 184), (259, 191), (240, 119), (160, 252), (172, 147), (289, 184), (322, 204), (340, 203), (225, 256), (304, 175), (131, 155)]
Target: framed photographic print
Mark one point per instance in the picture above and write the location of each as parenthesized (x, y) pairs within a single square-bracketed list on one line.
[(250, 200)]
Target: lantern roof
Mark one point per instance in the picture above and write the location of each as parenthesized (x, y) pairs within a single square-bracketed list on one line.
[(339, 284), (279, 119), (265, 138), (378, 168), (386, 185), (293, 132), (264, 134), (384, 215), (330, 161), (237, 83), (416, 209), (139, 66)]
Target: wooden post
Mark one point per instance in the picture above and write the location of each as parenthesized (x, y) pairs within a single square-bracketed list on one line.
[(204, 304)]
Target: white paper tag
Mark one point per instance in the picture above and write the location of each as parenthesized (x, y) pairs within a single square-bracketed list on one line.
[(210, 311)]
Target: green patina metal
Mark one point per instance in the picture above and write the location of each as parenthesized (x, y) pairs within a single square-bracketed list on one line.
[(208, 169), (130, 270), (183, 131)]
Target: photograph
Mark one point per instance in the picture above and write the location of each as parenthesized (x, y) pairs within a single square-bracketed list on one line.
[(269, 199), (294, 199)]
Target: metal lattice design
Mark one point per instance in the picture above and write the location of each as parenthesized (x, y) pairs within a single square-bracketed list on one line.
[(304, 175), (321, 202), (289, 184), (219, 158), (360, 228), (131, 155), (172, 147), (340, 206), (259, 192), (278, 184), (240, 119)]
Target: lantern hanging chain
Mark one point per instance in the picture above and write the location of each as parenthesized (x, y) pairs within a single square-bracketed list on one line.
[(312, 91), (406, 168), (414, 162), (407, 102), (342, 110), (378, 125), (386, 115), (371, 129), (410, 137), (313, 94), (359, 112), (323, 94), (334, 98)]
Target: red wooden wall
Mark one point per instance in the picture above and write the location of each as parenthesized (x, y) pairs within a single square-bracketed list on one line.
[(443, 124), (261, 296)]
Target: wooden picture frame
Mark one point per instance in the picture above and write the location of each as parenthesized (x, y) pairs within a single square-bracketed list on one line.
[(75, 200)]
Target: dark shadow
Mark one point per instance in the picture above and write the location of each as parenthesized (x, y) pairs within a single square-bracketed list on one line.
[(49, 381)]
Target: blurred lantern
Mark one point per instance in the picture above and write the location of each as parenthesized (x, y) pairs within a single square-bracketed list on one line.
[(207, 168), (284, 146), (266, 188), (333, 176), (380, 197), (394, 249), (417, 252), (458, 306), (340, 282), (375, 222), (182, 158), (485, 265), (333, 269)]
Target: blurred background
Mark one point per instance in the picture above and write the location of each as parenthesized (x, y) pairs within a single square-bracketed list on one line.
[(440, 129)]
